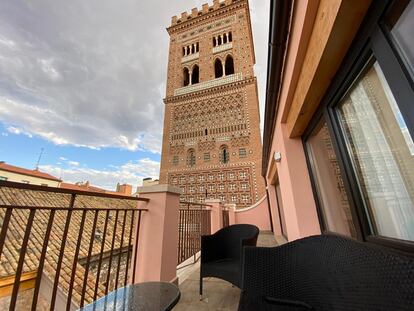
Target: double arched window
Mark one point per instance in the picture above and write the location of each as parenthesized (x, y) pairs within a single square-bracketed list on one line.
[(227, 69), (218, 68), (195, 74), (191, 158), (192, 76), (229, 66), (186, 77), (224, 155)]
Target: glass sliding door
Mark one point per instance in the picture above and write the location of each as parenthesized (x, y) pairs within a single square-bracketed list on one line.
[(381, 151), (332, 199)]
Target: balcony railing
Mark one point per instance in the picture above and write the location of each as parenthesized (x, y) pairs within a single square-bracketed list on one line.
[(226, 218), (223, 47), (209, 84), (77, 245), (194, 222)]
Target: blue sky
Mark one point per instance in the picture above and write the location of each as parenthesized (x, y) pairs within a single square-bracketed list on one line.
[(85, 80)]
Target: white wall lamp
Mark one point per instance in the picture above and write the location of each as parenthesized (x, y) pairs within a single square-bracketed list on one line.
[(277, 156)]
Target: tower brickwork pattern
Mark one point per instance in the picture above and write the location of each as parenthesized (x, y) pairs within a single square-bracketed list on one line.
[(211, 143)]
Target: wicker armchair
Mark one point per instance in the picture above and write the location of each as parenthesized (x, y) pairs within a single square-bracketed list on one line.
[(221, 252), (326, 272)]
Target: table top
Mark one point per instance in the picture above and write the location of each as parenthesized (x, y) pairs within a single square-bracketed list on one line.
[(148, 296)]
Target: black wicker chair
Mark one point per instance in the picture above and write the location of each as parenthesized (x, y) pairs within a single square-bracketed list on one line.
[(221, 252), (326, 272)]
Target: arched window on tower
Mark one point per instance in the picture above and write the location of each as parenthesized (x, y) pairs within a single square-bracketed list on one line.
[(195, 75), (186, 77), (197, 47), (183, 51), (224, 155), (230, 36), (218, 68), (219, 40), (191, 158), (225, 38), (229, 65)]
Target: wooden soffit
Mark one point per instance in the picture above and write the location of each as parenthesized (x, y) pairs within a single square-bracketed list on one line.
[(336, 24)]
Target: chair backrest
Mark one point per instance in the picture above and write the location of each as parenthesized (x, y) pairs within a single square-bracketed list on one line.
[(330, 272), (234, 237)]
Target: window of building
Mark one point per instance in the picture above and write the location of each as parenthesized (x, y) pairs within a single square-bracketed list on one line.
[(234, 198), (218, 68), (382, 153), (201, 189), (230, 36), (232, 187), (229, 65), (211, 177), (242, 175), (231, 175), (242, 152), (195, 75), (400, 25), (221, 187), (206, 156), (331, 195), (222, 198), (244, 186), (191, 158), (214, 42), (175, 160), (186, 77), (369, 111), (220, 176), (211, 187), (224, 154)]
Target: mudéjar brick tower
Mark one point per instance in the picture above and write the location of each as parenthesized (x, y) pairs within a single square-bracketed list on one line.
[(211, 144)]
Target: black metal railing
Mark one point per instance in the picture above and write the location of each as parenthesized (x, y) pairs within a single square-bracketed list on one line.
[(226, 221), (194, 222), (80, 243)]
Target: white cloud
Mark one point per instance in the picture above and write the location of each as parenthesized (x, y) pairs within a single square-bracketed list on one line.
[(131, 172), (18, 131), (73, 163), (93, 73), (62, 158)]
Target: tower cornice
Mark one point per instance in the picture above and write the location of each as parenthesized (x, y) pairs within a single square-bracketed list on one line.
[(212, 90)]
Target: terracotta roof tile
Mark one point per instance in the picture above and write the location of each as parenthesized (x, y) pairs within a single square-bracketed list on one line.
[(17, 225), (19, 170)]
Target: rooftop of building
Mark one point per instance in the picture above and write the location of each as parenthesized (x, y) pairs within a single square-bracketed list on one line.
[(19, 170)]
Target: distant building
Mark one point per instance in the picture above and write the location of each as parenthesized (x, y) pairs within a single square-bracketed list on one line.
[(211, 145), (22, 175), (124, 189)]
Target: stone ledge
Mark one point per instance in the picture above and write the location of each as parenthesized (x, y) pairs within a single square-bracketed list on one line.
[(159, 188)]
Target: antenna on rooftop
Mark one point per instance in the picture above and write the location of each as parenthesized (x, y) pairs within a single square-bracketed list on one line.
[(38, 160)]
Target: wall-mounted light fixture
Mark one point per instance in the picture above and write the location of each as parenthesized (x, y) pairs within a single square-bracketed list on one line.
[(277, 156)]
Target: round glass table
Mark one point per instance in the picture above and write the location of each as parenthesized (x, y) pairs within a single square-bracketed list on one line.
[(148, 296)]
